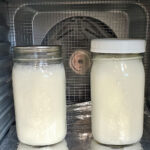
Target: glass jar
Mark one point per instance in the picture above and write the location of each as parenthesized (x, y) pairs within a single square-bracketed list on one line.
[(117, 90), (39, 95)]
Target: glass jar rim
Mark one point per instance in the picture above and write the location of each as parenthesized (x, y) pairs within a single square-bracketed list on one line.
[(104, 56), (37, 53), (32, 49)]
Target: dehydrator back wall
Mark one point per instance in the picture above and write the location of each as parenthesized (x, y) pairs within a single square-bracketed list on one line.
[(72, 24)]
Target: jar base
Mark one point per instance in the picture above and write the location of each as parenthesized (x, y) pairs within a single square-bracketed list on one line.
[(121, 143), (42, 143)]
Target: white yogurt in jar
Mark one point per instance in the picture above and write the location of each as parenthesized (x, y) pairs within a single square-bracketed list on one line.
[(40, 103), (117, 92)]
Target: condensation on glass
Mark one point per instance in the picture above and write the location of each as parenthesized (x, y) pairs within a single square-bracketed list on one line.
[(117, 90), (39, 95)]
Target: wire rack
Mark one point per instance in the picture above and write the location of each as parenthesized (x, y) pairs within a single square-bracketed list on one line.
[(72, 24)]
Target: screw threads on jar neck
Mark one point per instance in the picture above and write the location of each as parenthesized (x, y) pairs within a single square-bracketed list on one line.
[(36, 53)]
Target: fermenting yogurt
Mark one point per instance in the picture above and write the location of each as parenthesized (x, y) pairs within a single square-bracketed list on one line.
[(117, 91), (40, 102)]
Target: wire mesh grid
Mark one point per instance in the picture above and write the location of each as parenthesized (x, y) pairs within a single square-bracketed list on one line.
[(72, 24)]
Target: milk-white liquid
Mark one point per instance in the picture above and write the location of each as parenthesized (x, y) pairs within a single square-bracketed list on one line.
[(59, 146), (117, 90), (40, 103), (97, 146)]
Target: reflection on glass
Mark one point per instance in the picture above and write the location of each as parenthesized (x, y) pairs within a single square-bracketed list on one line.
[(60, 146), (97, 146)]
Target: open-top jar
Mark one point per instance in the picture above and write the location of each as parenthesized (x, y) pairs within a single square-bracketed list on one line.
[(39, 95)]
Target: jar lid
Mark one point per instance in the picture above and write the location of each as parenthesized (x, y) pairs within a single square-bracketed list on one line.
[(118, 46)]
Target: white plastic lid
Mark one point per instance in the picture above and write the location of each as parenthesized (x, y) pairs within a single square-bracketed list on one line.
[(119, 46)]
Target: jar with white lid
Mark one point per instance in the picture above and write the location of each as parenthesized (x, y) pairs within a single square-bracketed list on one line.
[(117, 90), (39, 95)]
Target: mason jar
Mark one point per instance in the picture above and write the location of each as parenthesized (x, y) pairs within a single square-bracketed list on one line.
[(39, 95), (117, 90)]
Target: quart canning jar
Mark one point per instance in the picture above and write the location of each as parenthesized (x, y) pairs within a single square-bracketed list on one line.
[(117, 90), (39, 95)]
